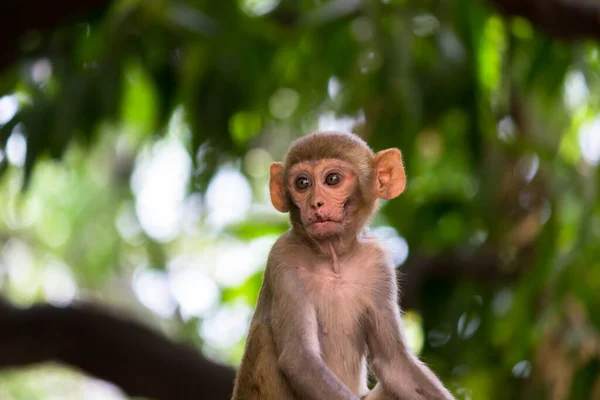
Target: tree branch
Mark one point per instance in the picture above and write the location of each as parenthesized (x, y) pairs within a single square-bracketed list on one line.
[(561, 19), (18, 18), (131, 356)]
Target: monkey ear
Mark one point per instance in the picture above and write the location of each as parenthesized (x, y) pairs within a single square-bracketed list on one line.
[(389, 172), (276, 187)]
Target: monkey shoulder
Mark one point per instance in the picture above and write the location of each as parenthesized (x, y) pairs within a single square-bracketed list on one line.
[(286, 249), (380, 269), (285, 256), (378, 255)]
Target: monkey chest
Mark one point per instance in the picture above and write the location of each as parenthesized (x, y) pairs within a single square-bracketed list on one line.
[(340, 302)]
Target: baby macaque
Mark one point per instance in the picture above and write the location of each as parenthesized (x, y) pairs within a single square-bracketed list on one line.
[(330, 291)]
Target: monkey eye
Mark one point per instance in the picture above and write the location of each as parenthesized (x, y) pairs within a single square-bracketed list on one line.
[(333, 179), (302, 183)]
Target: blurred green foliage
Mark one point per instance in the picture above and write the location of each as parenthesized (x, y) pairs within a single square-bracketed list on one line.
[(498, 125)]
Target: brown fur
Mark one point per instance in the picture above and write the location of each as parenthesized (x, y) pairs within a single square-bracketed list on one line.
[(330, 292)]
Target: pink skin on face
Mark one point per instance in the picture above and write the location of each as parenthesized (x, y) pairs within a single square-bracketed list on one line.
[(320, 189)]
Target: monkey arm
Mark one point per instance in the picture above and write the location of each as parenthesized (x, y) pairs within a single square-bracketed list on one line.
[(295, 332), (397, 369)]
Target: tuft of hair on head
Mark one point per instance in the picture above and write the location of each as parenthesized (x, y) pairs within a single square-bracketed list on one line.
[(320, 145)]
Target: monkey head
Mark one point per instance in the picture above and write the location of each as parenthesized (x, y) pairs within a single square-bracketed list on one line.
[(330, 183)]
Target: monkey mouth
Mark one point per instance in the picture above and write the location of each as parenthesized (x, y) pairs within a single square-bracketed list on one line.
[(324, 223)]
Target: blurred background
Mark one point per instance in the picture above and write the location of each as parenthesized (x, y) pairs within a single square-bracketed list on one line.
[(135, 143)]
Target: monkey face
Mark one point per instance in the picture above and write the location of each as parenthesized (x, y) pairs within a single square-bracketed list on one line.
[(321, 190), (330, 183)]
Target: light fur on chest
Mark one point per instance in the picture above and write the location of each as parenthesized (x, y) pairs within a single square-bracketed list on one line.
[(340, 300), (341, 297)]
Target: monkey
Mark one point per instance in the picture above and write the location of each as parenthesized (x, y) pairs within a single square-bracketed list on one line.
[(329, 293)]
